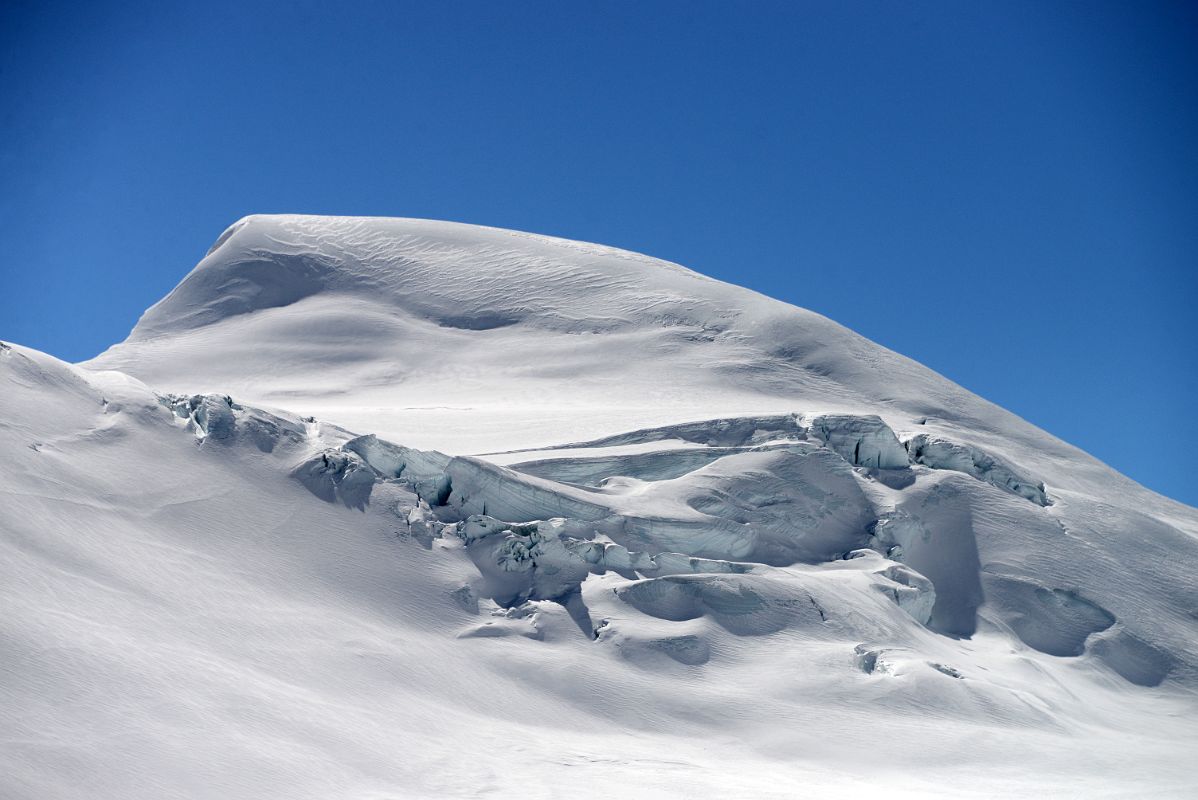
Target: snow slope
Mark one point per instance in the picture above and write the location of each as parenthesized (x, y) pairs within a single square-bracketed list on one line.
[(706, 542)]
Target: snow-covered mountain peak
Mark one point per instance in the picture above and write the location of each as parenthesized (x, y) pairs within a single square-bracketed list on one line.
[(379, 322), (361, 482), (450, 274)]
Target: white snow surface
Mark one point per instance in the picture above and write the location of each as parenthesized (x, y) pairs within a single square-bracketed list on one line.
[(387, 508)]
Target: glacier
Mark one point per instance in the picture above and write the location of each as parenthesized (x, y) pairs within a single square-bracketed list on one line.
[(374, 507)]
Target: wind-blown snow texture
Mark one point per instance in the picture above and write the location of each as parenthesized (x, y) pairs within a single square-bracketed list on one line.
[(398, 508)]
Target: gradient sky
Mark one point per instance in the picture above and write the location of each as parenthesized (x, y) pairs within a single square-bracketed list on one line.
[(1006, 192)]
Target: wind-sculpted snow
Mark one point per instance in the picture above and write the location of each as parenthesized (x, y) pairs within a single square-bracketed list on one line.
[(775, 504), (940, 454), (425, 471), (337, 476), (719, 433), (536, 540), (418, 509), (862, 441), (594, 471), (1054, 621)]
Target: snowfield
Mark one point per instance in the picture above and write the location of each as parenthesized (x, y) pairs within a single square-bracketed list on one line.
[(385, 508)]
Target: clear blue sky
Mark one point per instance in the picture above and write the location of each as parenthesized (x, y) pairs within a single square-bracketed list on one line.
[(1005, 191)]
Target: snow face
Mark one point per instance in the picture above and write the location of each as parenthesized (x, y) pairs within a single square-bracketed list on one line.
[(422, 509)]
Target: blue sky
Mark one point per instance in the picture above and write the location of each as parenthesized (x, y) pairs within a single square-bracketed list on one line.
[(1006, 192)]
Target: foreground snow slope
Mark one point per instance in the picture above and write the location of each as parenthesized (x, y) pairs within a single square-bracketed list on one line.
[(731, 547)]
